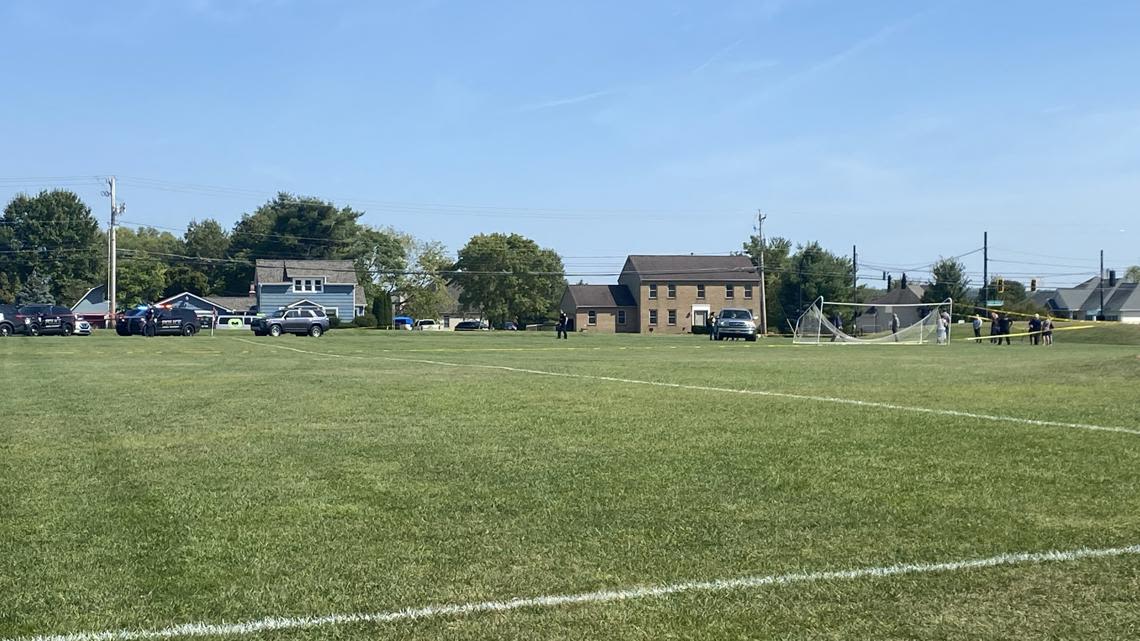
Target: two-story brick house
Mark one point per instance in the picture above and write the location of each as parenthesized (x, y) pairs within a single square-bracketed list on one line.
[(328, 284), (666, 294)]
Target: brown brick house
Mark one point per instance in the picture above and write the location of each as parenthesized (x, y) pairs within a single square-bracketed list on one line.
[(603, 308), (666, 294)]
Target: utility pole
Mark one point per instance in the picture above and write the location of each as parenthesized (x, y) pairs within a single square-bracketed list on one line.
[(985, 269), (112, 252), (1100, 287), (763, 295), (854, 275)]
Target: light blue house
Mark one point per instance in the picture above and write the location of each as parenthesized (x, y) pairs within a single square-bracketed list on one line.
[(326, 284)]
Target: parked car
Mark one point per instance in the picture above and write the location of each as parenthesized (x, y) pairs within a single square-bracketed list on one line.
[(403, 322), (427, 324), (312, 322), (735, 323), (167, 322), (41, 319), (82, 327), (8, 320), (471, 326), (509, 326), (123, 321)]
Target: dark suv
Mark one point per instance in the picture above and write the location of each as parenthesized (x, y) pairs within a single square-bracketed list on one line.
[(313, 322), (8, 322), (167, 322), (40, 319)]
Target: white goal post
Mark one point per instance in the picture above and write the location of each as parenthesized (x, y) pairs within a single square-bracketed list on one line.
[(827, 322)]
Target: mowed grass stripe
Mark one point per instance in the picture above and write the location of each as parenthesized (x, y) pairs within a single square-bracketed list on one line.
[(277, 623), (707, 388), (175, 488)]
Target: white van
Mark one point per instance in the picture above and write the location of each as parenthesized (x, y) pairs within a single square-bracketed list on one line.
[(427, 324)]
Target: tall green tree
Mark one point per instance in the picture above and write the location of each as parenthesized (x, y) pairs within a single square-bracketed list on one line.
[(145, 257), (291, 227), (949, 282), (36, 288), (208, 242), (54, 235), (777, 258), (813, 272), (1132, 275), (509, 277)]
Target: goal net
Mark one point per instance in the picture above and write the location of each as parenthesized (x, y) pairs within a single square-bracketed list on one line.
[(902, 324)]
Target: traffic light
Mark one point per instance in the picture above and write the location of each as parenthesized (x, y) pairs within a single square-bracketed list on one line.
[(1001, 284), (1032, 284)]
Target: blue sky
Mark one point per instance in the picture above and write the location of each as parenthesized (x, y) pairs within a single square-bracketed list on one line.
[(602, 129)]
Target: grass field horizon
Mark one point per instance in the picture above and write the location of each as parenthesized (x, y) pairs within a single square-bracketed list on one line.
[(158, 482)]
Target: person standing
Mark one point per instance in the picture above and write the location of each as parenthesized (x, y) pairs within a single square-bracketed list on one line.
[(148, 322), (977, 328), (1035, 330), (1006, 329), (563, 326), (895, 327), (712, 327), (1047, 331), (943, 327)]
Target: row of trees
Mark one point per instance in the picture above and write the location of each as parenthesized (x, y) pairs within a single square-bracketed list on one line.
[(51, 249)]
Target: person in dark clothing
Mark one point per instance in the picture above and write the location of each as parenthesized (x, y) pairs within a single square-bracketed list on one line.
[(995, 329), (1006, 329), (712, 327), (148, 325), (563, 326), (1035, 329)]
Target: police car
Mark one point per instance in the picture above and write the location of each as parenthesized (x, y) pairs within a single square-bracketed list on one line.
[(167, 322), (41, 319), (8, 322)]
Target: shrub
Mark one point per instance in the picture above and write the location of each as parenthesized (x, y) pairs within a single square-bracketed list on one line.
[(367, 320)]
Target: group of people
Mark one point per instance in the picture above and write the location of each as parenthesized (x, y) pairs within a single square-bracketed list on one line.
[(1001, 327)]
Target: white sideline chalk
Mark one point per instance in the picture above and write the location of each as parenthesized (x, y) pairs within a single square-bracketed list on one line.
[(601, 596), (705, 388)]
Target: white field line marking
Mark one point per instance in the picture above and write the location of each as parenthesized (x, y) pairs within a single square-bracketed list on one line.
[(601, 596), (705, 388)]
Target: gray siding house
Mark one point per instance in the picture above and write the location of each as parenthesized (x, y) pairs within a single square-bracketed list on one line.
[(326, 284)]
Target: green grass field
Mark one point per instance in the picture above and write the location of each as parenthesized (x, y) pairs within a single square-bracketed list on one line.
[(146, 483)]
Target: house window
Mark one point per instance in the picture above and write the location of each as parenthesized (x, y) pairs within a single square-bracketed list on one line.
[(671, 290), (621, 317), (748, 292), (592, 317), (332, 312), (653, 317), (729, 292), (308, 285), (653, 292), (672, 317), (700, 292)]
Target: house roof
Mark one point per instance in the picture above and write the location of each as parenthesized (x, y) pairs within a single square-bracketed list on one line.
[(1070, 298), (693, 268), (1126, 297), (283, 271), (334, 271), (600, 296), (910, 295), (234, 303)]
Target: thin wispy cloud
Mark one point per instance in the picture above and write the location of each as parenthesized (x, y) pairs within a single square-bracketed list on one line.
[(562, 102), (724, 51), (835, 60)]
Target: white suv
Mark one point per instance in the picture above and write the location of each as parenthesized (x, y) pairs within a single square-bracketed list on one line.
[(427, 324)]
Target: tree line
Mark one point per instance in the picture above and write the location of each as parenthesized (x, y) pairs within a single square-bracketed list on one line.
[(52, 250)]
